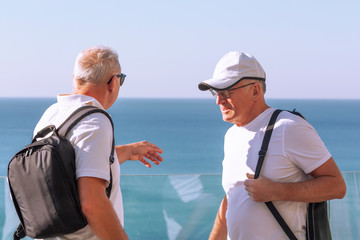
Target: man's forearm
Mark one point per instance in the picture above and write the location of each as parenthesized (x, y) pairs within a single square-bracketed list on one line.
[(98, 209), (105, 223), (219, 231), (327, 183), (315, 190), (123, 152)]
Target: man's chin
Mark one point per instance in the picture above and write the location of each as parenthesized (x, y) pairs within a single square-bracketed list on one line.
[(227, 118)]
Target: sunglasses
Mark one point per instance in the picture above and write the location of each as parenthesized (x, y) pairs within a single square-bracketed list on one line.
[(226, 93), (120, 76)]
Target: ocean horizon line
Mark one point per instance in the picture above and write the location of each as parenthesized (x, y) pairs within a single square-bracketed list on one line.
[(193, 98)]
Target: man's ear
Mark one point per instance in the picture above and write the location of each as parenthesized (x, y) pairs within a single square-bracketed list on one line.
[(75, 85), (111, 85), (256, 90)]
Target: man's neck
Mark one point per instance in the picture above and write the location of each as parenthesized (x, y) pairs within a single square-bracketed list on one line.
[(92, 91), (255, 111)]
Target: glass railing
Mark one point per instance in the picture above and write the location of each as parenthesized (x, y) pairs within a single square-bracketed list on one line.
[(185, 206)]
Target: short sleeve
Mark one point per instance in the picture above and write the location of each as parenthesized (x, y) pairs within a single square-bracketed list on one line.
[(303, 145), (92, 141)]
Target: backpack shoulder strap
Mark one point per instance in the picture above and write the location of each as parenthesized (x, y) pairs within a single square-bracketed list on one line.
[(262, 154), (296, 113), (19, 232), (75, 118), (267, 136), (265, 143)]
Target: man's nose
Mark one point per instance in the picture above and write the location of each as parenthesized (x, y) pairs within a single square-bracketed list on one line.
[(220, 99)]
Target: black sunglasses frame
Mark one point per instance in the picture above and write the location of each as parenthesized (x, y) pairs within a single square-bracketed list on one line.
[(226, 93), (121, 76)]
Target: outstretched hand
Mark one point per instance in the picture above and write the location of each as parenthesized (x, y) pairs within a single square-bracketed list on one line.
[(140, 151)]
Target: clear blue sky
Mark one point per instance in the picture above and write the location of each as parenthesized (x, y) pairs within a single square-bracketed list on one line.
[(309, 49)]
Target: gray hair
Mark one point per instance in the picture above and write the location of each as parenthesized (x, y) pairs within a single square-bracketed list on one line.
[(263, 85), (95, 65)]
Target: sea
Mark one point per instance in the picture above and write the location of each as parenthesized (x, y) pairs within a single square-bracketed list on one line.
[(179, 198), (189, 131)]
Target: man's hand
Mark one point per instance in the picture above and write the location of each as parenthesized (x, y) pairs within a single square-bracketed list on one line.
[(260, 189), (139, 151), (327, 183)]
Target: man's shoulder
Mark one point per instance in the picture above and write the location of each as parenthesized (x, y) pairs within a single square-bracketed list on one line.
[(56, 114), (95, 121), (47, 118), (291, 117), (294, 125)]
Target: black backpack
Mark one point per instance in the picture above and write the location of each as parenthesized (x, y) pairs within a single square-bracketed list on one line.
[(43, 184)]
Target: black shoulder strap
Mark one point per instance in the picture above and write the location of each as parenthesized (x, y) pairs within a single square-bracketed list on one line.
[(265, 143), (19, 233), (262, 154), (75, 118), (297, 113)]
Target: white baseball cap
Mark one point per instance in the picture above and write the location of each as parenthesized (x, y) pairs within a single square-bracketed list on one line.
[(231, 69)]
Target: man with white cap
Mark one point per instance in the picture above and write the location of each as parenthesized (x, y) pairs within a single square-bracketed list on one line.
[(297, 169)]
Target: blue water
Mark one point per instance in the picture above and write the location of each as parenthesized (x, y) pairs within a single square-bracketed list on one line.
[(190, 131)]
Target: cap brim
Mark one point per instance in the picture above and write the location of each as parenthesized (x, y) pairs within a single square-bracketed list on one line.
[(223, 84), (204, 86), (217, 84)]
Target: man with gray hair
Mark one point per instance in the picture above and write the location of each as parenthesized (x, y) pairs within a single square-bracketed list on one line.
[(97, 80), (298, 168)]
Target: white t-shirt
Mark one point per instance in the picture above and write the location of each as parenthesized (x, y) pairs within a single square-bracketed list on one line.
[(92, 142), (295, 149)]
